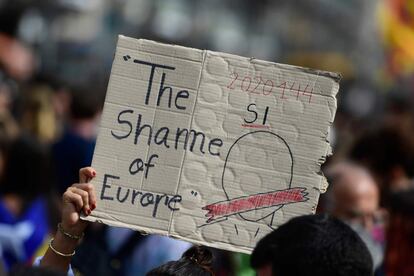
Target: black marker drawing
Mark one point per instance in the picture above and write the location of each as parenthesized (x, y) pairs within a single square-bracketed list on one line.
[(257, 205)]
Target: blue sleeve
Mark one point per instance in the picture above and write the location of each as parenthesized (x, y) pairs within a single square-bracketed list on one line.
[(37, 263)]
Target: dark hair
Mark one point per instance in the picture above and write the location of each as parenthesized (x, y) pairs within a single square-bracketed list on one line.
[(28, 171), (196, 261), (86, 103), (313, 245)]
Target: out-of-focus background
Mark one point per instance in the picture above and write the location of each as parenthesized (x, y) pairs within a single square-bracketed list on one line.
[(55, 59)]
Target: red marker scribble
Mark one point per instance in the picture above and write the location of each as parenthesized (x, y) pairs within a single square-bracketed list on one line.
[(258, 201), (254, 126)]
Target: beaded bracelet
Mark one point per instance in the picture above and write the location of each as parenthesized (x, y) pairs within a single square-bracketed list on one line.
[(58, 252), (69, 235)]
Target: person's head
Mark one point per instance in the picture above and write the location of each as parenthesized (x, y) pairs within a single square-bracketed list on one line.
[(354, 194), (28, 169), (312, 245), (196, 261), (86, 103), (85, 109)]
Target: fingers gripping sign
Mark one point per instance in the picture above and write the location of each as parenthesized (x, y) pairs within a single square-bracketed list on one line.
[(80, 197)]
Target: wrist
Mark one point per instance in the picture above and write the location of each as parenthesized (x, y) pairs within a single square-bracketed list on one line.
[(69, 235), (72, 230), (64, 244)]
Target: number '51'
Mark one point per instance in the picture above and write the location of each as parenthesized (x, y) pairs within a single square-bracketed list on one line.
[(254, 115)]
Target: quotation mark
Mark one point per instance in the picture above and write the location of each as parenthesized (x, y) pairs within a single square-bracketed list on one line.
[(194, 193), (127, 57)]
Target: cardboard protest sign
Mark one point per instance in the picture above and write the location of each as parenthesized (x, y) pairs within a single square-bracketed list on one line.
[(208, 147)]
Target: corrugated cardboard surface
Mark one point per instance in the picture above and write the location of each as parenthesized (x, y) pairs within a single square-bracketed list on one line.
[(259, 129)]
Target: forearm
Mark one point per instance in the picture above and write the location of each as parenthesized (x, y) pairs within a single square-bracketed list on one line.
[(77, 198), (63, 245)]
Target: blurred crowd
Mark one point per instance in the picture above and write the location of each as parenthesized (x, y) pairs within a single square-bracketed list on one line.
[(55, 59)]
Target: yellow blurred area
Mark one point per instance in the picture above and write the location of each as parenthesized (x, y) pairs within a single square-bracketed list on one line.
[(397, 23)]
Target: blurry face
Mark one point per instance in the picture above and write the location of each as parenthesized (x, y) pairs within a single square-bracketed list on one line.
[(61, 103), (361, 205)]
